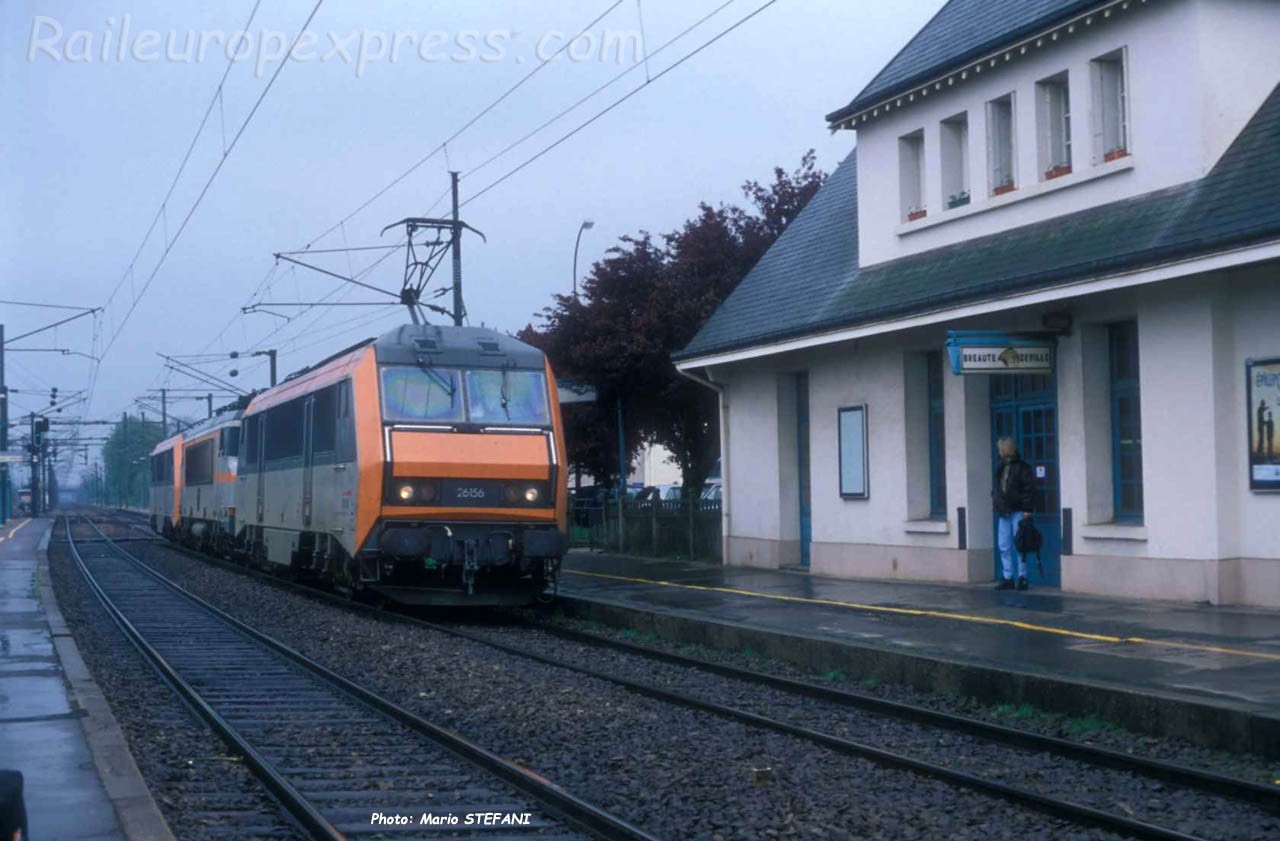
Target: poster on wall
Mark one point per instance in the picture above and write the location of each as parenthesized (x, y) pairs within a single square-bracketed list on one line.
[(853, 452), (1263, 388)]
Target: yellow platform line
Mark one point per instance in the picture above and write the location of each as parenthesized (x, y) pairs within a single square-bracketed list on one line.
[(14, 530), (937, 614)]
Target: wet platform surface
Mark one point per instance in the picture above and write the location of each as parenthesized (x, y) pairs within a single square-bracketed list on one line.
[(40, 731), (1220, 655)]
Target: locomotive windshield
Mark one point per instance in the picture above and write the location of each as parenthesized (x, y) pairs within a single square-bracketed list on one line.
[(416, 395), (502, 397), (511, 397)]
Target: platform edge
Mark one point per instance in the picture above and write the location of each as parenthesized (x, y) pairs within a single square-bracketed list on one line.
[(1157, 713), (139, 816)]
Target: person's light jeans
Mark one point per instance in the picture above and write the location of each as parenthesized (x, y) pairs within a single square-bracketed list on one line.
[(1006, 528)]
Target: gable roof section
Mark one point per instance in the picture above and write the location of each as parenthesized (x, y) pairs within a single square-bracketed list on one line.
[(961, 31), (1234, 205), (810, 260)]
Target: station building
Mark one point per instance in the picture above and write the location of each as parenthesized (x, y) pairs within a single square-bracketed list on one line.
[(1061, 223)]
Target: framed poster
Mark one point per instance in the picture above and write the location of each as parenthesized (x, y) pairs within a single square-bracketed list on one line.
[(852, 433), (1262, 385)]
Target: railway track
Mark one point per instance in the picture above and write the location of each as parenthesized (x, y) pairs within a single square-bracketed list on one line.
[(342, 761), (988, 781)]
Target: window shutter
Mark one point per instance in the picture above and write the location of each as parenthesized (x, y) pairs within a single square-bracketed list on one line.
[(1095, 112)]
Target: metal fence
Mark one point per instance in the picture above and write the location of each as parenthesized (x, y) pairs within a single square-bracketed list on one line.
[(671, 528)]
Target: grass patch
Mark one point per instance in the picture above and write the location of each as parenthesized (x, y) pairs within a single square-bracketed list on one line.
[(1090, 724), (1013, 712), (833, 676), (629, 634)]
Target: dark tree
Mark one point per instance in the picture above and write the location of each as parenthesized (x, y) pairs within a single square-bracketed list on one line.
[(125, 457), (647, 300)]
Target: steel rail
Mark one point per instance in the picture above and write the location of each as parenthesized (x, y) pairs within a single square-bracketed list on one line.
[(1075, 812), (315, 824), (1069, 810), (1207, 781), (573, 810)]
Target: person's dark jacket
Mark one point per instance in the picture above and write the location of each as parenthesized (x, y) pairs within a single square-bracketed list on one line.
[(1017, 491)]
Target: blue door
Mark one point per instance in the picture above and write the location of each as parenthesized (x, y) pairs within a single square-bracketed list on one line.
[(1025, 408), (802, 464)]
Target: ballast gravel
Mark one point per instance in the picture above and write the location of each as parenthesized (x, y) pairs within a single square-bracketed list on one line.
[(202, 792), (1087, 731), (1199, 814), (674, 772)]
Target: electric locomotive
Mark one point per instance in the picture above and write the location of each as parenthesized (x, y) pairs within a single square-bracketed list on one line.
[(193, 479), (422, 467)]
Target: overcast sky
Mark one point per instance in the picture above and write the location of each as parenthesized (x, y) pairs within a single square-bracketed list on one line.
[(93, 136)]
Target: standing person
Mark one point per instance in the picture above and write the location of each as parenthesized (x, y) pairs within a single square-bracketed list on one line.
[(1013, 496)]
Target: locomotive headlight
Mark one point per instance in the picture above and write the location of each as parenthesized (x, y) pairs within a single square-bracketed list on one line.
[(405, 492), (531, 495)]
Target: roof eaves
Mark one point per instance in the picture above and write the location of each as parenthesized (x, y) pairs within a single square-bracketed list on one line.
[(1146, 259), (869, 100)]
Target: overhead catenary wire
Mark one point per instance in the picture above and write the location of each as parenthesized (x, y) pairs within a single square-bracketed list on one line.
[(389, 250), (704, 45), (649, 79), (186, 158), (607, 84), (208, 183), (442, 146)]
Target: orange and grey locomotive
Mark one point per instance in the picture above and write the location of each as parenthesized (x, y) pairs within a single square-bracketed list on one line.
[(420, 467)]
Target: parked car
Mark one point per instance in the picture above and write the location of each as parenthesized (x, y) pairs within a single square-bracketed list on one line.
[(714, 491)]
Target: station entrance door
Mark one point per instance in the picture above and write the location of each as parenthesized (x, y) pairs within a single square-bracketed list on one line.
[(1025, 408)]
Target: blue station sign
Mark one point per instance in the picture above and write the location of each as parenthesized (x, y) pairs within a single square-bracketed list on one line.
[(998, 352)]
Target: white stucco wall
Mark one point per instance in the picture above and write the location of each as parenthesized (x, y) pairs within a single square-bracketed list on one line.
[(1197, 71), (755, 511), (1194, 335)]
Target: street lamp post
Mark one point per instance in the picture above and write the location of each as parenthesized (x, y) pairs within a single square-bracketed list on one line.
[(587, 225)]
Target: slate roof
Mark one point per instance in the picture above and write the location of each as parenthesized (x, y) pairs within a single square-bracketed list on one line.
[(961, 31), (808, 263), (809, 281)]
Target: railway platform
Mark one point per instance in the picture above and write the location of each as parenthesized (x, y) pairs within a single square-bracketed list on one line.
[(1208, 674), (80, 781)]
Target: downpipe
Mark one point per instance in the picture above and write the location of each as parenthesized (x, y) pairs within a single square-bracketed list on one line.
[(709, 382)]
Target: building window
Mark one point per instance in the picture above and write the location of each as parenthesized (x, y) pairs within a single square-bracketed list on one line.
[(1000, 145), (937, 439), (1053, 117), (1126, 422), (851, 428), (955, 160), (1110, 107), (911, 175)]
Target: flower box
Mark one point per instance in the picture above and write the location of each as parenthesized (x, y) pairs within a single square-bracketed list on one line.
[(1004, 188), (958, 200), (1115, 155), (913, 215), (1057, 171)]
